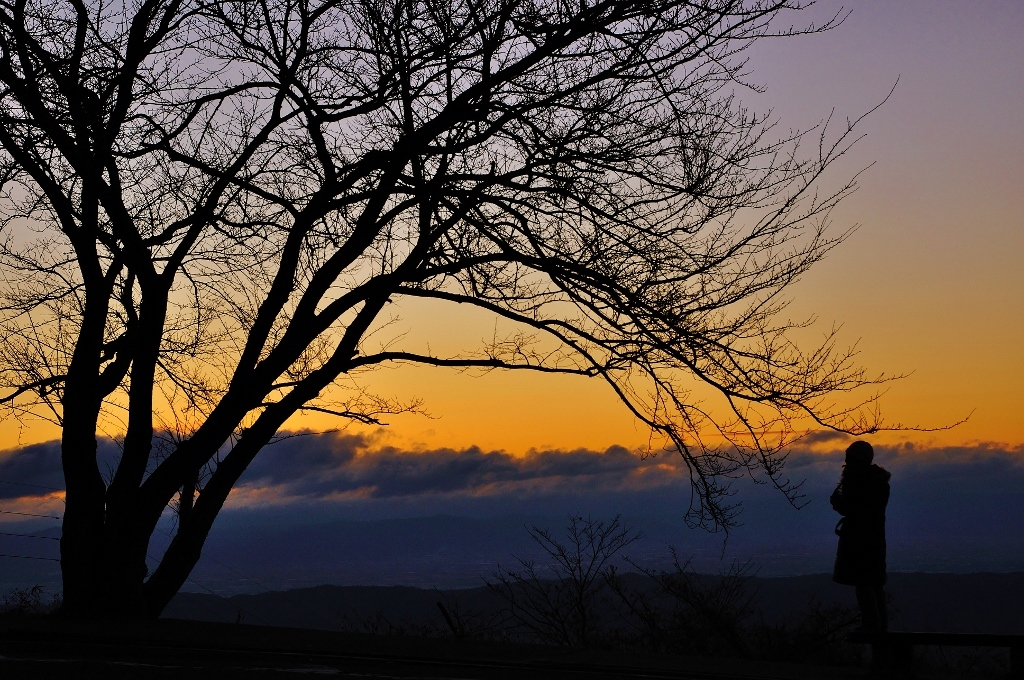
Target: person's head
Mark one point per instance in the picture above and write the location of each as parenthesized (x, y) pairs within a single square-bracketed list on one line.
[(859, 453)]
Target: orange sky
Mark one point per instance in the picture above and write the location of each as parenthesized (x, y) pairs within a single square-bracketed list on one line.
[(932, 283)]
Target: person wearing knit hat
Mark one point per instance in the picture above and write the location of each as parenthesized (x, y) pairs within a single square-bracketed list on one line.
[(861, 497)]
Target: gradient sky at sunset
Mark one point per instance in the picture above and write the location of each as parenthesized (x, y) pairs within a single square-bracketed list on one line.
[(931, 284)]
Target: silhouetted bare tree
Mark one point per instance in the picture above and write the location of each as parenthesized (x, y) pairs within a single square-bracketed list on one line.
[(559, 602), (208, 204)]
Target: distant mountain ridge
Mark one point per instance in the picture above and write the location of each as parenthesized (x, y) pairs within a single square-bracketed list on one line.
[(960, 603)]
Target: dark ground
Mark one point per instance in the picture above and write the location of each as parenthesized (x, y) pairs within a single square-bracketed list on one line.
[(193, 650), (288, 642)]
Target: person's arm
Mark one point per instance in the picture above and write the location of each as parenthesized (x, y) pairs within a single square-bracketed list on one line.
[(838, 501)]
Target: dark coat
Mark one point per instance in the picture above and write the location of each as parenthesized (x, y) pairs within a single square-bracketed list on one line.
[(861, 499)]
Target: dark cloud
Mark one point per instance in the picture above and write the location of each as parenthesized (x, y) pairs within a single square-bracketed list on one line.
[(332, 464), (303, 456), (989, 464), (36, 470), (826, 437), (30, 470), (316, 467), (951, 509)]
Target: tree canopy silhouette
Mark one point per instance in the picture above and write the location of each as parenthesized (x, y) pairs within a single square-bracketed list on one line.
[(208, 204)]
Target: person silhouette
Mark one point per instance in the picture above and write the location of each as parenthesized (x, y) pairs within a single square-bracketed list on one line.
[(861, 497)]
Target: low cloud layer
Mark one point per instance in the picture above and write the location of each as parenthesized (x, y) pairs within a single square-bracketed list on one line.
[(343, 467), (337, 466), (30, 470), (997, 468), (340, 467), (35, 470), (947, 502)]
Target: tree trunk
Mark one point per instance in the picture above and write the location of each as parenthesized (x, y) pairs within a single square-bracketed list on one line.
[(103, 571), (82, 539), (83, 535), (125, 574)]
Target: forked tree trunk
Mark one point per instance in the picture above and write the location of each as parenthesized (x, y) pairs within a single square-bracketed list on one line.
[(103, 571)]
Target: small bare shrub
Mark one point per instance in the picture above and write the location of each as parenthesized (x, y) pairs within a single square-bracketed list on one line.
[(29, 602), (560, 603), (682, 611)]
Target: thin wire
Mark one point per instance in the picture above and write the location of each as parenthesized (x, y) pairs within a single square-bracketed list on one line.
[(49, 538), (215, 594), (29, 557), (37, 486), (189, 579), (28, 514), (202, 554), (216, 561), (236, 572)]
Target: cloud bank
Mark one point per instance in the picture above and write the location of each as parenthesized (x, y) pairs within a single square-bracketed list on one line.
[(35, 470), (339, 468), (351, 466), (952, 508)]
